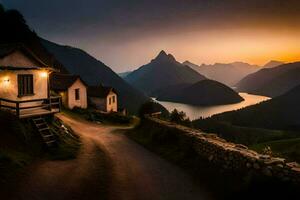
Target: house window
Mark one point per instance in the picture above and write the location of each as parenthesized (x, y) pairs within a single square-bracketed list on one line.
[(109, 101), (114, 99), (77, 94), (25, 84)]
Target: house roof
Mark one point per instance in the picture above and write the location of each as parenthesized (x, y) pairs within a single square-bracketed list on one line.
[(7, 49), (62, 82), (18, 68), (100, 91)]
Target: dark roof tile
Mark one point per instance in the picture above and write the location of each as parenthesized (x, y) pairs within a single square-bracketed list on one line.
[(62, 82), (100, 91)]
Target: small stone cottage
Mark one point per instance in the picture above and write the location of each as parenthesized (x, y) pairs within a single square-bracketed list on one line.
[(24, 83), (103, 98), (71, 88)]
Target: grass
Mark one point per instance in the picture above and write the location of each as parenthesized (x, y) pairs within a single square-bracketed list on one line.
[(289, 148), (21, 145), (68, 142), (244, 135), (223, 185), (283, 143)]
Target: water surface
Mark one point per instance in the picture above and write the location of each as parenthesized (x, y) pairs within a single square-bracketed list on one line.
[(194, 112)]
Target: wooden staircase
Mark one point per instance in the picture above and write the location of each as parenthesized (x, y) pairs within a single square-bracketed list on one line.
[(44, 130)]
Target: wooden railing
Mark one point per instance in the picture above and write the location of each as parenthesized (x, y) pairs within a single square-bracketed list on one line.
[(54, 102)]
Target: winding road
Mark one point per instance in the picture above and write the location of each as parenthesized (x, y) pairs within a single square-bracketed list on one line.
[(109, 166)]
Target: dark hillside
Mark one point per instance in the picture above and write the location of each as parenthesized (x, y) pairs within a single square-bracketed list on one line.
[(272, 81), (162, 71), (15, 31), (94, 72), (206, 92)]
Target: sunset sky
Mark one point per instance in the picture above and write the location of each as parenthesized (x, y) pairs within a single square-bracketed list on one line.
[(127, 34)]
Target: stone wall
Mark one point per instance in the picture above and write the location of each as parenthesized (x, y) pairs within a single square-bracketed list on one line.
[(230, 156)]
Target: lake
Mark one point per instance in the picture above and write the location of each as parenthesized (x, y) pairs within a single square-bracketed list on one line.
[(194, 112)]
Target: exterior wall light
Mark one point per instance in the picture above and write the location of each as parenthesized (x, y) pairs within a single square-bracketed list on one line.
[(6, 80), (44, 74)]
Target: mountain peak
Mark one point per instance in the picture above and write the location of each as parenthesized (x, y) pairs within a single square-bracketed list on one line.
[(163, 56), (187, 62), (162, 53), (273, 63)]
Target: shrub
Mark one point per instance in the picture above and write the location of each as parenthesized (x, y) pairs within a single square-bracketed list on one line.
[(153, 107), (179, 118)]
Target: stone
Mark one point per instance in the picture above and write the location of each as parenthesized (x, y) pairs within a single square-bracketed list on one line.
[(267, 172), (248, 165), (256, 166), (280, 165), (211, 157), (241, 146)]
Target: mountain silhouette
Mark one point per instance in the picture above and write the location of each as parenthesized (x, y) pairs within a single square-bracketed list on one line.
[(162, 71), (273, 63), (271, 81), (279, 113), (203, 93), (229, 74)]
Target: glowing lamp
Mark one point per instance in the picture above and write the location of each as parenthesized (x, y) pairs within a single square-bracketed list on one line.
[(44, 74)]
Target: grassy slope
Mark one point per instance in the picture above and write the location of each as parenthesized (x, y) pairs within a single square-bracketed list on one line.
[(223, 185), (20, 145), (288, 148), (271, 122)]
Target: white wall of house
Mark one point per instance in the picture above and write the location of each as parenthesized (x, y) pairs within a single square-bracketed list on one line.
[(9, 78), (111, 102), (9, 85), (82, 102)]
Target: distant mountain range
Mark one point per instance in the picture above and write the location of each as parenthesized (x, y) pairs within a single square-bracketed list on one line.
[(124, 74), (203, 93), (273, 63), (280, 113), (271, 81), (163, 71), (228, 74), (94, 72)]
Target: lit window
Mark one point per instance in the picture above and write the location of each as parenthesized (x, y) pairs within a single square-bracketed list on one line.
[(25, 84), (77, 94), (114, 99)]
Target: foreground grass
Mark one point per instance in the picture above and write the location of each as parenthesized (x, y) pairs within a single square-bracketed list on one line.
[(222, 184), (20, 145), (68, 142), (282, 142), (289, 148)]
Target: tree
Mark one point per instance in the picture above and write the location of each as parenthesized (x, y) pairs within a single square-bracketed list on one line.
[(179, 118), (152, 107)]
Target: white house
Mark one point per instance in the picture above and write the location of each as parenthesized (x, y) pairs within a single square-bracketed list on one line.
[(71, 88), (104, 98), (24, 83)]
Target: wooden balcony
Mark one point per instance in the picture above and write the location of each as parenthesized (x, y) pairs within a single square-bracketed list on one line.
[(32, 108)]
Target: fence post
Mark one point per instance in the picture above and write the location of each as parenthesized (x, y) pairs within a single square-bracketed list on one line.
[(50, 106), (59, 101), (18, 109)]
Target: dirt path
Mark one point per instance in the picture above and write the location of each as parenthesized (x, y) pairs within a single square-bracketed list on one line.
[(109, 166)]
